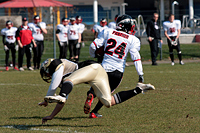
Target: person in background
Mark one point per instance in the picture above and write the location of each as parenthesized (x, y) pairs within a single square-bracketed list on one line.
[(172, 30), (38, 29), (25, 39), (9, 41), (153, 37), (74, 37), (61, 34), (112, 25), (82, 28)]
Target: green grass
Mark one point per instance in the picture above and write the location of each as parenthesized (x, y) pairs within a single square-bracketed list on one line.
[(172, 107)]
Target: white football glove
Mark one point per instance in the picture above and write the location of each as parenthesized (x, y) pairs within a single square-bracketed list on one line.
[(61, 44), (78, 45), (16, 47), (6, 48), (39, 24)]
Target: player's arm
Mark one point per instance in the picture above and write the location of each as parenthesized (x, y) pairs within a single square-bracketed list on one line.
[(4, 38), (135, 56), (56, 110), (96, 47), (178, 34), (57, 34), (79, 37), (42, 26), (56, 80)]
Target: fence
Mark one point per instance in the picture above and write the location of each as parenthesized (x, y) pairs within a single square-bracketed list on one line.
[(88, 35)]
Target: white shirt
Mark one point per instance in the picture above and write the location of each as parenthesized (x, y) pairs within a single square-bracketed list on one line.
[(73, 32), (37, 32), (172, 27), (82, 27), (63, 32), (112, 25), (117, 44), (9, 34), (99, 28)]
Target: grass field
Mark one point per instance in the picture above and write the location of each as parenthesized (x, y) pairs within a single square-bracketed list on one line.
[(173, 107)]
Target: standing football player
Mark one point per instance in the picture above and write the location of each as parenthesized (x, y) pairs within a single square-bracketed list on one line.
[(61, 34), (82, 28), (64, 73), (112, 25), (172, 30), (74, 37), (116, 44), (38, 29), (9, 42)]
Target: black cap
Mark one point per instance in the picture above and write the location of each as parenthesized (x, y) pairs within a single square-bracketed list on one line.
[(24, 19)]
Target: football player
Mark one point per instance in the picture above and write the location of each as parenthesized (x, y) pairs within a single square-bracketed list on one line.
[(74, 37), (116, 45), (61, 34), (38, 29), (172, 30), (65, 73), (9, 42), (82, 28), (112, 25)]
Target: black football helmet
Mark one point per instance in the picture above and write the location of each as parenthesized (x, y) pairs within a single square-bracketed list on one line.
[(44, 70), (124, 23)]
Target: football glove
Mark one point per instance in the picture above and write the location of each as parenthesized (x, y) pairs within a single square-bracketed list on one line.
[(61, 43), (78, 45), (141, 79), (6, 48), (99, 51), (16, 47)]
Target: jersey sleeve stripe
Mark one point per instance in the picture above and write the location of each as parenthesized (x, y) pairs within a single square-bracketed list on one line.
[(137, 60)]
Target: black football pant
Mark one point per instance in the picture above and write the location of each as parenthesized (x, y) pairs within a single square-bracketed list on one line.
[(37, 53), (154, 49), (63, 50), (11, 47), (26, 49)]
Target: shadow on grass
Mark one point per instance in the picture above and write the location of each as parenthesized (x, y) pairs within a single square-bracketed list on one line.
[(38, 117)]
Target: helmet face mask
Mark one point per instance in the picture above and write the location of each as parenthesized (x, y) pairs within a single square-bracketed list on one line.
[(103, 22), (44, 70), (125, 23), (78, 19), (64, 21), (9, 24)]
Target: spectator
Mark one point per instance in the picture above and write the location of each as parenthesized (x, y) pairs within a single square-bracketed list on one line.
[(153, 36), (38, 28), (25, 39), (82, 28), (9, 42), (74, 36), (61, 34), (172, 30)]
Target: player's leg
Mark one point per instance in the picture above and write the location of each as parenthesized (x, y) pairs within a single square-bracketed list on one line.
[(178, 49), (40, 52), (28, 56), (125, 95), (71, 50), (6, 58), (65, 50), (13, 51), (170, 52), (20, 58), (35, 55)]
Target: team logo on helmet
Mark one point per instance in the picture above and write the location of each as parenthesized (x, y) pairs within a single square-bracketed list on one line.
[(44, 70)]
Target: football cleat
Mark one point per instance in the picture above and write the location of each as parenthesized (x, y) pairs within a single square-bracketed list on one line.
[(30, 68), (21, 69), (55, 99), (181, 63), (173, 63), (145, 87), (15, 68), (88, 102), (95, 115), (7, 68)]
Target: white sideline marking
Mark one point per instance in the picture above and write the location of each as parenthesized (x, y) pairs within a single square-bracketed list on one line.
[(22, 84), (26, 127)]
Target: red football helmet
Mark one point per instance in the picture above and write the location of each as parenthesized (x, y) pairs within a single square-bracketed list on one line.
[(9, 24), (103, 22), (36, 19), (78, 19)]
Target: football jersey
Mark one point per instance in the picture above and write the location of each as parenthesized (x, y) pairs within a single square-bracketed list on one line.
[(63, 32), (9, 34), (117, 44), (82, 27), (73, 32), (172, 27), (112, 25), (37, 32)]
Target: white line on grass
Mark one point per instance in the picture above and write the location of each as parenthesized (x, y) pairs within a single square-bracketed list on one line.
[(22, 84)]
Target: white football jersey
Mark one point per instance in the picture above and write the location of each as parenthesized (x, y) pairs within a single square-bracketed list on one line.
[(36, 31), (172, 28), (9, 34), (112, 25), (117, 44), (82, 27), (73, 32), (63, 32)]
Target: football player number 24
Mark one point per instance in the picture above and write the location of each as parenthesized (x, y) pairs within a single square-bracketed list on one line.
[(118, 49)]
